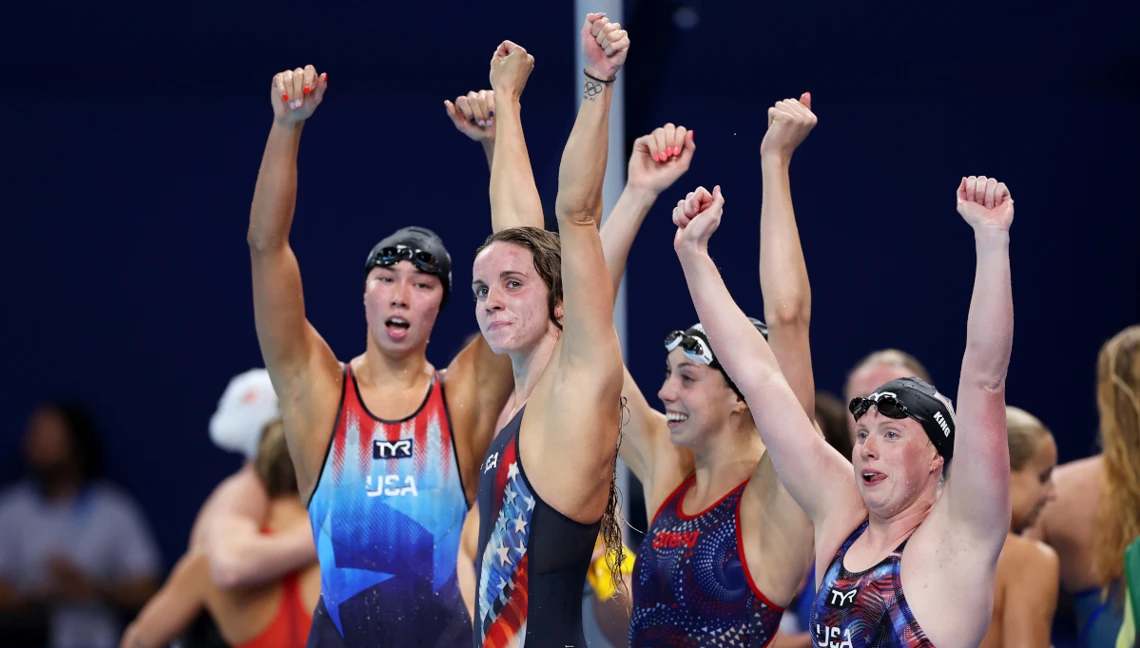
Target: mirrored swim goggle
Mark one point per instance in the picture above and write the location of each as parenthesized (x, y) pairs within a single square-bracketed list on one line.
[(694, 347), (389, 256), (887, 403)]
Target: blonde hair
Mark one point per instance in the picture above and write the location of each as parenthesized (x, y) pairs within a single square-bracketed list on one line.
[(272, 464), (1118, 402), (1024, 431), (889, 358)]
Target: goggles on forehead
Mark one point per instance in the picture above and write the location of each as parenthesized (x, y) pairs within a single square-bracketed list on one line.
[(389, 256), (694, 347), (887, 403)]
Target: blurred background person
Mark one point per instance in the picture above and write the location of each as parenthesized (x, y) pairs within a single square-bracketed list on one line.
[(274, 615), (1025, 594), (72, 544), (1096, 514)]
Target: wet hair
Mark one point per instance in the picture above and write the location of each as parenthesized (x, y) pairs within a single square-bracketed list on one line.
[(611, 520), (1024, 432), (890, 358), (1118, 402), (84, 434), (272, 465), (546, 249), (832, 418)]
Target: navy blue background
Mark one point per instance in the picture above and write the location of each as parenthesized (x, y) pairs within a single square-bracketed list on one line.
[(134, 133)]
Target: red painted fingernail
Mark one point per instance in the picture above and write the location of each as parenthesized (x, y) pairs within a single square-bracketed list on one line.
[(285, 97), (307, 90), (691, 134)]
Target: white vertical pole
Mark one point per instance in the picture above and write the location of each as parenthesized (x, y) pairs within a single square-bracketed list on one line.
[(615, 168)]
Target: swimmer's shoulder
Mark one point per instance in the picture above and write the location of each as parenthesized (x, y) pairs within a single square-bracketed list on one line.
[(1077, 485), (1022, 553), (1077, 472)]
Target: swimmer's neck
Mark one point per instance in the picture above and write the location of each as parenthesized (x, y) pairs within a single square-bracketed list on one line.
[(378, 369), (886, 533), (729, 455), (529, 364)]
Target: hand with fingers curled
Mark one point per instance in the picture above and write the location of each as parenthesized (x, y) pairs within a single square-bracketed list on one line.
[(985, 203), (696, 218), (510, 68), (295, 94), (474, 114), (789, 122), (660, 158), (604, 46)]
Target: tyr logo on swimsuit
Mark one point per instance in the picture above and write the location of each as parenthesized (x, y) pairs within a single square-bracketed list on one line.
[(401, 449), (840, 599)]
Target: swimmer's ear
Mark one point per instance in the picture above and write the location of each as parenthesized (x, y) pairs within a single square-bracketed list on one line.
[(558, 312), (740, 407), (936, 462)]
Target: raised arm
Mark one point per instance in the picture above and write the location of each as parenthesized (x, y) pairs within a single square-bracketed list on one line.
[(514, 196), (304, 370), (813, 472), (473, 115), (783, 273), (588, 335), (658, 160), (977, 492)]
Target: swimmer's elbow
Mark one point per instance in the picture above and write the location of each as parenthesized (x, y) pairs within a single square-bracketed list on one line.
[(225, 568)]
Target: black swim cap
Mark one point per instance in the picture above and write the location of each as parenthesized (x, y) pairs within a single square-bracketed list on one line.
[(419, 245), (703, 352), (920, 401)]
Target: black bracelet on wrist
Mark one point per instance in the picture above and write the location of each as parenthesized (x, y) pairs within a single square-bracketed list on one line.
[(590, 76)]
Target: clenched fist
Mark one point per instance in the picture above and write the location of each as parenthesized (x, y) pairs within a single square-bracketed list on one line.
[(295, 94), (985, 202), (474, 114), (510, 68), (789, 123), (696, 218), (660, 158), (604, 46)]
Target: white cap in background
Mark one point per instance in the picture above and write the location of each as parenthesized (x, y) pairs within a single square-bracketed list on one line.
[(248, 404)]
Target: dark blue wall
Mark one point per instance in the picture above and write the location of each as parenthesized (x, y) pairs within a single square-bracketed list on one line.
[(134, 132)]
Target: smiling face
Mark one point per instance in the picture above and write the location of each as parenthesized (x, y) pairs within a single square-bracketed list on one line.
[(512, 302), (894, 462), (400, 307), (697, 400)]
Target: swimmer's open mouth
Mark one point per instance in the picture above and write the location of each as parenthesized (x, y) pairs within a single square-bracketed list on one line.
[(871, 477), (397, 322)]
